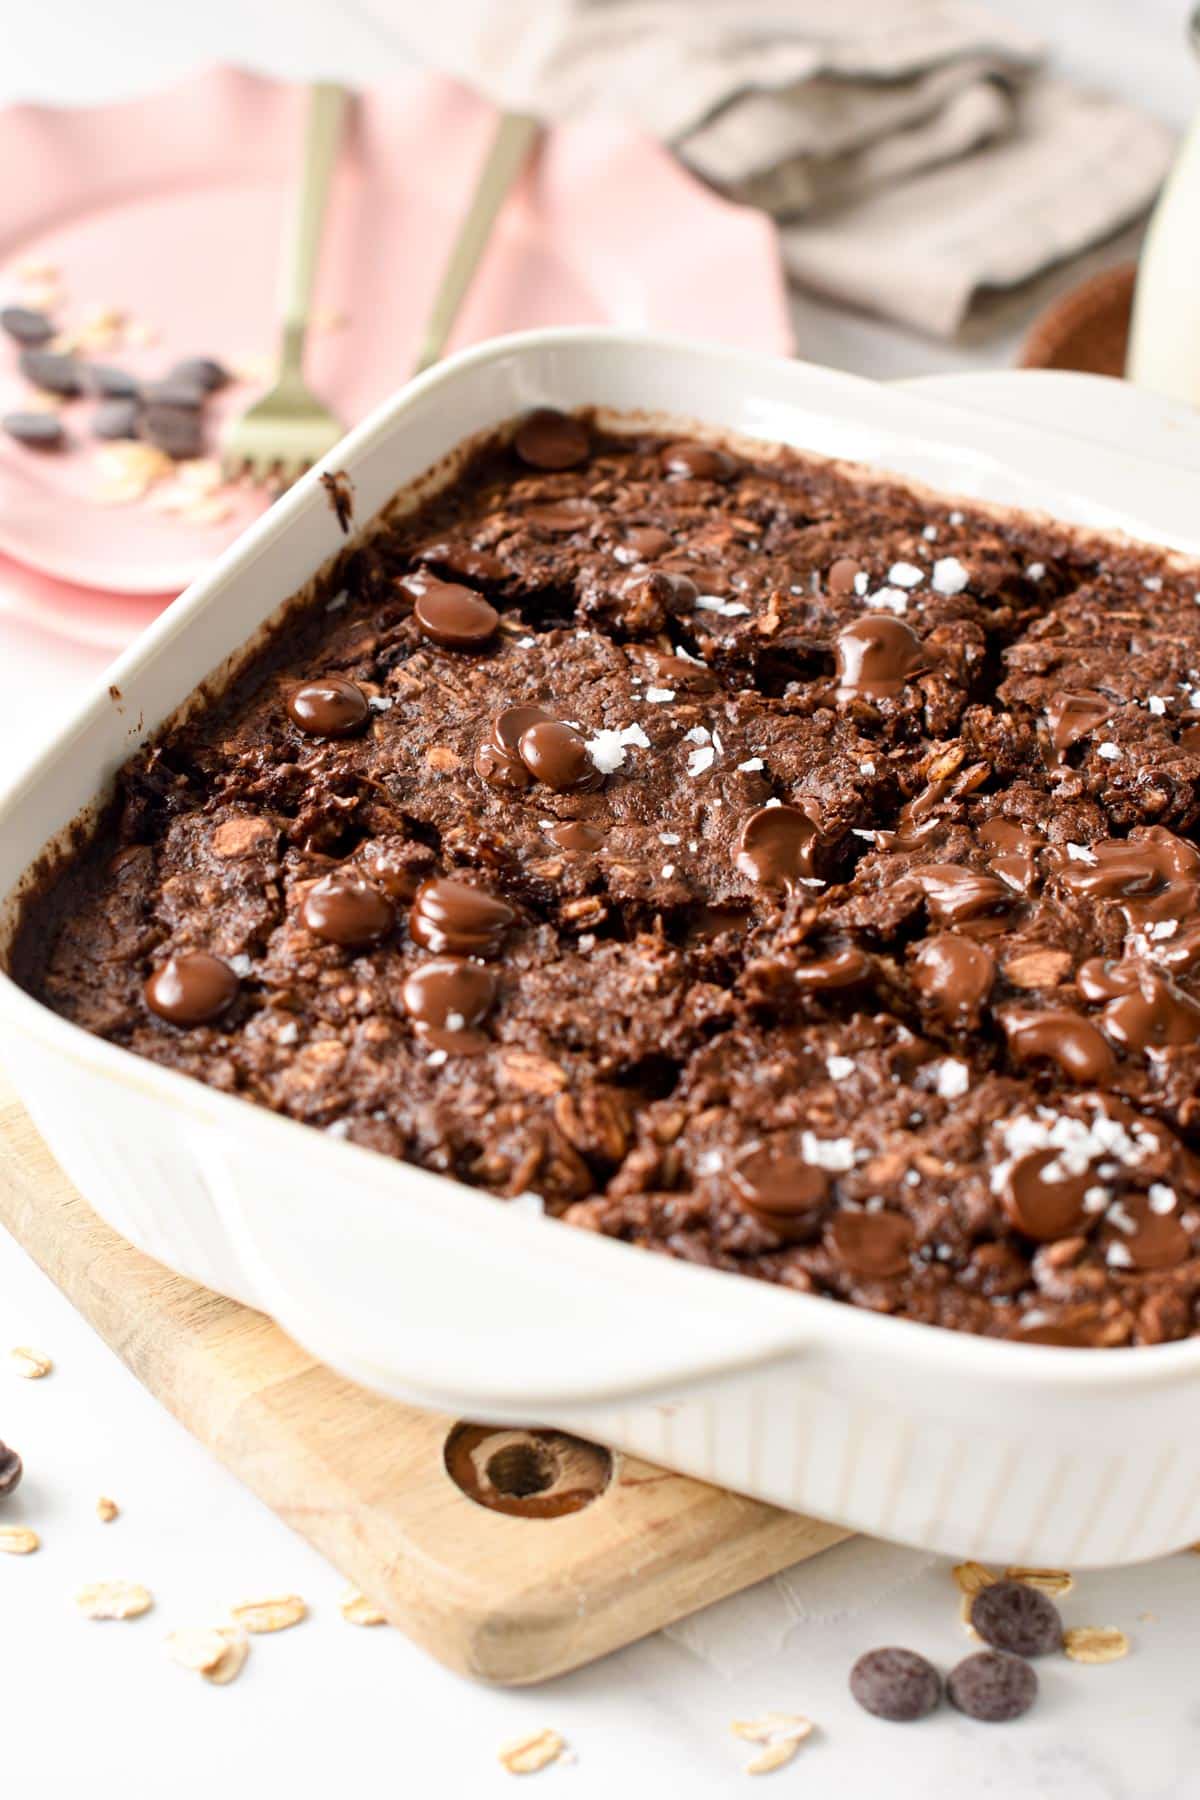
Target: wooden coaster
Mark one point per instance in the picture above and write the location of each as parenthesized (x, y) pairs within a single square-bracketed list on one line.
[(1087, 329), (510, 1555)]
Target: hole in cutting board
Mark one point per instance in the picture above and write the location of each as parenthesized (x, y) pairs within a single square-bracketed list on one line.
[(529, 1474)]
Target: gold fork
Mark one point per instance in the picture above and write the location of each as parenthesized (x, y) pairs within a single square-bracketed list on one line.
[(288, 430)]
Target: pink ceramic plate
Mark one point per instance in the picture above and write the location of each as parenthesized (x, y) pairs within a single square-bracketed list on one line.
[(169, 210)]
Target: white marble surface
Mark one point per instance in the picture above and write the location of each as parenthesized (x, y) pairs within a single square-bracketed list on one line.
[(329, 1709)]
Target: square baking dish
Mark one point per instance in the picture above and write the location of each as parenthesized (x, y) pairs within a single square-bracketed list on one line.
[(416, 1285)]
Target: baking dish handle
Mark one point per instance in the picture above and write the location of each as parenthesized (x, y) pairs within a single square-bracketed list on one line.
[(442, 1315)]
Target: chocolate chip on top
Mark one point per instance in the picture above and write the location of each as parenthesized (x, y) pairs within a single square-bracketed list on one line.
[(447, 999), (191, 988), (345, 909), (556, 754), (552, 440), (776, 845), (698, 462), (330, 708), (451, 915), (781, 1190), (448, 614), (876, 655)]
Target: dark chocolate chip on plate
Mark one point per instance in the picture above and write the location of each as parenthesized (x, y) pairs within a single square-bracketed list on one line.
[(173, 429), (110, 383), (115, 419), (37, 430), (174, 391), (53, 372), (26, 326), (10, 1469), (202, 372), (895, 1684), (992, 1686), (1011, 1616)]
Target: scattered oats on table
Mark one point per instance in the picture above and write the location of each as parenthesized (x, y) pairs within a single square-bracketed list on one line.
[(199, 1648), (31, 1365), (1095, 1644), (19, 1540), (237, 1649), (536, 1750), (274, 1614), (106, 1509), (780, 1734), (114, 1600), (358, 1610)]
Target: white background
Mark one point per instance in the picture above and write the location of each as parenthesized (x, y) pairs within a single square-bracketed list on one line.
[(330, 1709)]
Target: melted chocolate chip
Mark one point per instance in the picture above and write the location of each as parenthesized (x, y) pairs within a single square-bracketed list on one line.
[(697, 462), (1045, 1206), (506, 773), (874, 1245), (1070, 717), (897, 1685), (876, 655), (1062, 1037), (191, 988), (992, 1686), (575, 834), (643, 543), (839, 578), (344, 909), (781, 1190), (450, 615), (1145, 1238), (331, 707), (465, 561), (955, 975), (510, 726), (845, 968), (550, 440), (559, 517), (955, 894), (451, 915), (556, 754), (447, 998), (1016, 1618), (1151, 1014), (776, 844)]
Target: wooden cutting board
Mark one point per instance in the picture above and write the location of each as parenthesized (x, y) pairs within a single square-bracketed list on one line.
[(509, 1595)]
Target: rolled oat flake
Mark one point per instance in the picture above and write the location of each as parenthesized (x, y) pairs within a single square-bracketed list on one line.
[(895, 1684), (1011, 1616), (992, 1686)]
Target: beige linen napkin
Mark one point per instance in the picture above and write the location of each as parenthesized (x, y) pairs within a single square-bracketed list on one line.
[(912, 151)]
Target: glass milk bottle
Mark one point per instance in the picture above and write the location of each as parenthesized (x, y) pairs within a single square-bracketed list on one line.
[(1164, 343)]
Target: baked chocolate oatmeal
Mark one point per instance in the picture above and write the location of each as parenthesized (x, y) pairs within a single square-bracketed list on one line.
[(761, 861)]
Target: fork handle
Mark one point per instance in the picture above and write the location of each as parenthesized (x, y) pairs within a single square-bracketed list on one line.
[(514, 138), (322, 131)]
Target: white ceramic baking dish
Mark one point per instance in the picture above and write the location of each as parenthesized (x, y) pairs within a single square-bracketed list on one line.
[(433, 1292)]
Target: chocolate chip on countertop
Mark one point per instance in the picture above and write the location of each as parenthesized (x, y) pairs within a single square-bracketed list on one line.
[(1011, 1616), (110, 383), (53, 372), (992, 1686), (551, 440), (115, 419), (202, 372), (895, 1684), (173, 429), (37, 430), (11, 1469), (26, 326)]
